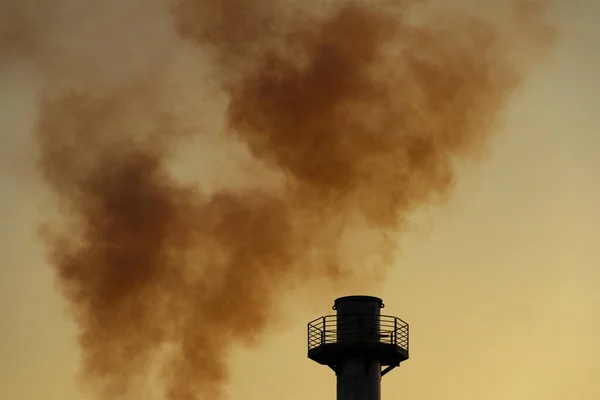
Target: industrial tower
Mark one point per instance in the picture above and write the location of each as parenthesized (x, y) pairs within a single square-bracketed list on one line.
[(359, 344)]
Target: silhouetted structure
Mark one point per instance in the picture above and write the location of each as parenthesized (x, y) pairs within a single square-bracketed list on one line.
[(359, 344)]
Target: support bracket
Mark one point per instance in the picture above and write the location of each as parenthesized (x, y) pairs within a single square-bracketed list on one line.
[(388, 369)]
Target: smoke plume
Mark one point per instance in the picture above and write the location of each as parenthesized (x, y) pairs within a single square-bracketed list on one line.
[(358, 109)]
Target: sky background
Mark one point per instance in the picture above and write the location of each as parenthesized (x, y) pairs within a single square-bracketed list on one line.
[(501, 285)]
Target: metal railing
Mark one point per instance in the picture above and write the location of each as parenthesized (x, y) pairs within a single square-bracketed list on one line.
[(360, 328)]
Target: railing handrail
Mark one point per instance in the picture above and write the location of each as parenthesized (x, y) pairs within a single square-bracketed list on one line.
[(325, 330), (334, 316)]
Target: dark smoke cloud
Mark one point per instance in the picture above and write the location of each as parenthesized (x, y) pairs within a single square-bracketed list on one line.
[(360, 113)]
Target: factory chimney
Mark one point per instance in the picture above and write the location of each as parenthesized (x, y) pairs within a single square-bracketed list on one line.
[(359, 344)]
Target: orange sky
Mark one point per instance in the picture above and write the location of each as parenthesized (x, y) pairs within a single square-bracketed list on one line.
[(500, 284)]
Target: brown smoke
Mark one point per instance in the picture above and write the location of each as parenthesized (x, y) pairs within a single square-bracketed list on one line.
[(360, 113)]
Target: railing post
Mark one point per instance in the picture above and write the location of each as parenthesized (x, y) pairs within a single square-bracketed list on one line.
[(395, 338), (324, 333)]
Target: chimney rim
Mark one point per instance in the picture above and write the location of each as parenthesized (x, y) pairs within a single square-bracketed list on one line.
[(357, 298)]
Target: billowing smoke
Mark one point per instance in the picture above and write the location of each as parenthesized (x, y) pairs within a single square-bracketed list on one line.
[(358, 112)]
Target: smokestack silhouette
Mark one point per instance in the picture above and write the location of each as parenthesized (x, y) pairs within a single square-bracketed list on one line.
[(358, 112)]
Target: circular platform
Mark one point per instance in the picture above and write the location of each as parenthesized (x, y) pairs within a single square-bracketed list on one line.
[(333, 353)]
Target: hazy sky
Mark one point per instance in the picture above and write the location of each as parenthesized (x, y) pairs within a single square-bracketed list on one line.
[(501, 285)]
